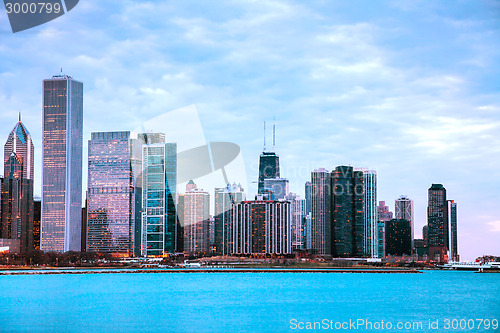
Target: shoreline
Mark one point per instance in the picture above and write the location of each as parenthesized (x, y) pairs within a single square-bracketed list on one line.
[(53, 271)]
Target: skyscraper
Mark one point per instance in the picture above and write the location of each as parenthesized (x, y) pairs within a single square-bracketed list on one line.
[(321, 211), (384, 214), (62, 164), (437, 222), (348, 230), (404, 210), (113, 188), (17, 188), (159, 182), (307, 191), (452, 209), (196, 219), (269, 167), (370, 215), (223, 200)]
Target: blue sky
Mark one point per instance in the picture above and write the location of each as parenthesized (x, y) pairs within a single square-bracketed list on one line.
[(410, 89)]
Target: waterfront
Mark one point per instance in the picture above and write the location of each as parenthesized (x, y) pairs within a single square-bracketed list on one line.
[(239, 302)]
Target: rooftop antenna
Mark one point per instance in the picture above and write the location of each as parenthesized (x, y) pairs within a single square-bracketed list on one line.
[(274, 133), (19, 116), (264, 136)]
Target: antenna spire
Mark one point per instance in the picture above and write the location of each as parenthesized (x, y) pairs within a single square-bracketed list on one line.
[(19, 116), (264, 135)]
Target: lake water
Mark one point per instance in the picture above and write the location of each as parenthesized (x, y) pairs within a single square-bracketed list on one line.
[(249, 302)]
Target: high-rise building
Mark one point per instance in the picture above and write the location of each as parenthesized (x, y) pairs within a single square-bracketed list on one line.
[(113, 189), (404, 210), (17, 188), (196, 219), (279, 187), (348, 230), (321, 208), (223, 200), (62, 164), (298, 221), (398, 237), (437, 222), (159, 182), (269, 167), (384, 214), (370, 214), (452, 209), (307, 188), (261, 227)]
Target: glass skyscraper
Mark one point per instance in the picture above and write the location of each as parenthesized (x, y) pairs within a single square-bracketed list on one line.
[(16, 218), (113, 192), (437, 223), (452, 209), (159, 182), (269, 167), (370, 215), (62, 164)]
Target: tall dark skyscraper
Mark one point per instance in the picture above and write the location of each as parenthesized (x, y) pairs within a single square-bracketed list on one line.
[(269, 163), (348, 230), (437, 222), (307, 188), (62, 164), (17, 188)]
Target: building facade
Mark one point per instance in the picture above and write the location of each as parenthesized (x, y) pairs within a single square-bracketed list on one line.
[(298, 221), (437, 223), (224, 198), (321, 210), (196, 220), (279, 187), (398, 237), (404, 210), (17, 207), (159, 182), (261, 227), (62, 164), (269, 167), (452, 209), (112, 194)]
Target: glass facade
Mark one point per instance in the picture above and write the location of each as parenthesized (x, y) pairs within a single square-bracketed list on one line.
[(269, 167), (398, 237), (404, 210), (16, 204), (437, 223), (62, 164), (112, 189), (370, 215), (298, 222), (279, 187), (159, 182)]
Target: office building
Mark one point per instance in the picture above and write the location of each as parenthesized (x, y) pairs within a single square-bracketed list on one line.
[(381, 238), (370, 213), (404, 210), (398, 237), (17, 188), (62, 164), (113, 191), (224, 198), (261, 227), (196, 220), (159, 182), (37, 218), (437, 223), (321, 210)]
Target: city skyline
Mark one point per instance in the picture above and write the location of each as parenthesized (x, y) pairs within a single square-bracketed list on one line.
[(425, 114)]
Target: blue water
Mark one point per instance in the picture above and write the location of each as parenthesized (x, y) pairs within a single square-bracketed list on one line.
[(243, 302)]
